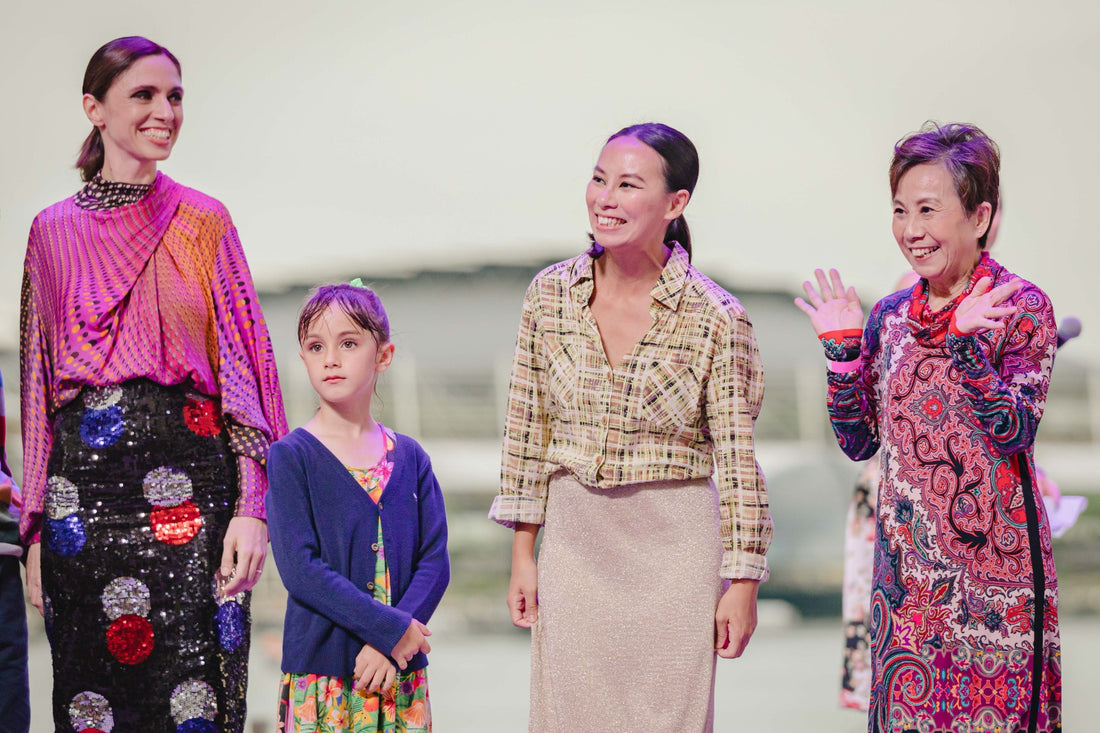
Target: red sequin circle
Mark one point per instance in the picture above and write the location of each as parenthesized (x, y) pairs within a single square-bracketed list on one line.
[(201, 416), (175, 525), (130, 638)]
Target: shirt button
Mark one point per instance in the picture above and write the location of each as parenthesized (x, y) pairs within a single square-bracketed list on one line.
[(370, 585), (379, 506), (374, 546), (597, 461)]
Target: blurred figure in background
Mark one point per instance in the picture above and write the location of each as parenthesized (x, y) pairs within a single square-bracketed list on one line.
[(15, 710)]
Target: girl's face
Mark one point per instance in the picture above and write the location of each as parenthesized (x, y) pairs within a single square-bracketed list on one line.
[(628, 200), (343, 361), (139, 118)]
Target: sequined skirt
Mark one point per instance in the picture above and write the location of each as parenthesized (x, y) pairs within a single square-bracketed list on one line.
[(628, 588), (141, 489)]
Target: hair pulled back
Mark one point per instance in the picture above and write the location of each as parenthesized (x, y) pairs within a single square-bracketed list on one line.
[(681, 168), (112, 58)]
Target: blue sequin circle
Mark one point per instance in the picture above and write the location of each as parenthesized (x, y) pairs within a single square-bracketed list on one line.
[(66, 537), (197, 725), (230, 622), (102, 428)]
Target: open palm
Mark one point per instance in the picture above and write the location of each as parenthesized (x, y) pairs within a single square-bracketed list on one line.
[(831, 307)]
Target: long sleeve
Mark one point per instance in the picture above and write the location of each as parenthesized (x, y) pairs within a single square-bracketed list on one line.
[(1008, 401), (247, 377), (431, 571), (850, 402), (735, 392), (523, 478), (35, 375), (307, 577)]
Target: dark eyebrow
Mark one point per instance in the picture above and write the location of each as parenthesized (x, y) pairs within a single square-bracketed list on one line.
[(600, 170), (153, 88)]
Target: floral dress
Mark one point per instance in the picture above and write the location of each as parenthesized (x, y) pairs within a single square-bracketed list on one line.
[(313, 703)]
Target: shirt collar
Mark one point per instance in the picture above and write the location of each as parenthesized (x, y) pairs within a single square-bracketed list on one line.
[(667, 292)]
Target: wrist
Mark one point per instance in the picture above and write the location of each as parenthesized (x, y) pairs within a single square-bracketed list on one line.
[(841, 345)]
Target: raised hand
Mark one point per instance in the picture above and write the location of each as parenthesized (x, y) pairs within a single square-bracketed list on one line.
[(831, 307), (980, 311)]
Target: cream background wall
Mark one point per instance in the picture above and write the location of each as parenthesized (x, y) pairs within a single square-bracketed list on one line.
[(379, 136)]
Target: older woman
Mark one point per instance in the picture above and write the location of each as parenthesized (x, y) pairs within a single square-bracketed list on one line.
[(629, 436), (949, 377), (149, 397)]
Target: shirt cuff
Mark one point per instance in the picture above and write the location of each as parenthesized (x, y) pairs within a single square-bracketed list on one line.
[(841, 345), (511, 509), (741, 565), (252, 483)]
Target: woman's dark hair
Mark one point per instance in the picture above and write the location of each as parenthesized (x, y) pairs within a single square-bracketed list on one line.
[(359, 303), (112, 58), (970, 156), (681, 168)]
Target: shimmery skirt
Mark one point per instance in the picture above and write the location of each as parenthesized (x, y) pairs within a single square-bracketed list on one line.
[(628, 587), (140, 492)]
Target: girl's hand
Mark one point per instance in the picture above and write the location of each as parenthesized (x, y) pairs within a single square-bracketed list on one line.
[(34, 576), (244, 551), (373, 672), (411, 643), (735, 619), (980, 311), (831, 307)]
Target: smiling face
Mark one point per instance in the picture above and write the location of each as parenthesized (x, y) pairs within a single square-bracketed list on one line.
[(628, 201), (139, 118), (343, 360), (936, 235)]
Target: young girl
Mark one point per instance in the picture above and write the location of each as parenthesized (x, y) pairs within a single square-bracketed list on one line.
[(359, 535)]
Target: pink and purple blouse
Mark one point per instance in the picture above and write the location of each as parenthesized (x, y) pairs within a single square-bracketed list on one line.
[(157, 289)]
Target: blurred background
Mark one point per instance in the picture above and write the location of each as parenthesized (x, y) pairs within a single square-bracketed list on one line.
[(440, 151)]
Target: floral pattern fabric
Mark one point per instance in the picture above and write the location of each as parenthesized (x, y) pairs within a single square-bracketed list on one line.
[(964, 614), (312, 703)]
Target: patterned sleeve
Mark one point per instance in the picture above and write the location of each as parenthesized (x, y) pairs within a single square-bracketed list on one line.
[(850, 400), (523, 480), (735, 392), (252, 404), (1008, 400), (34, 384)]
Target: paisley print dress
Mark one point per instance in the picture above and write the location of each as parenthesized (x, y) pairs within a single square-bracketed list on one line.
[(964, 613)]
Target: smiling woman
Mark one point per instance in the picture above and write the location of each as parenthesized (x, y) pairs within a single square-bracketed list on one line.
[(629, 437), (949, 378), (149, 398)]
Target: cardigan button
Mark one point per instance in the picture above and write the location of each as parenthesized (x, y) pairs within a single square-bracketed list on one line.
[(370, 585), (374, 547)]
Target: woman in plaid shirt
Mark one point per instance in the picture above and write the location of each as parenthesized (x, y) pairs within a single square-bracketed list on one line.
[(635, 387)]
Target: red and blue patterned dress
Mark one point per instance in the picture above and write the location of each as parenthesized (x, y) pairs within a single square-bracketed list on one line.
[(964, 613)]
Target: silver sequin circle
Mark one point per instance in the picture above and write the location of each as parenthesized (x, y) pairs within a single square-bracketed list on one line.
[(193, 699), (126, 595), (99, 398), (62, 497), (91, 710), (167, 487)]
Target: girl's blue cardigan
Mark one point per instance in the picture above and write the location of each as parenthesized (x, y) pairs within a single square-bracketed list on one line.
[(324, 532)]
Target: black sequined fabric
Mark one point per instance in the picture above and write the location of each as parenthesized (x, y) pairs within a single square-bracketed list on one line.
[(137, 506)]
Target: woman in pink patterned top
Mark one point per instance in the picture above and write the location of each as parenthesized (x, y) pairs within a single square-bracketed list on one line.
[(149, 398), (949, 378)]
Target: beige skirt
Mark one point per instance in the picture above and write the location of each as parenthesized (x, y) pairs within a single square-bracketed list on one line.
[(628, 587)]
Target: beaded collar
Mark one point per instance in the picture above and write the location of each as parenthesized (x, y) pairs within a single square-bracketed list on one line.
[(99, 194)]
